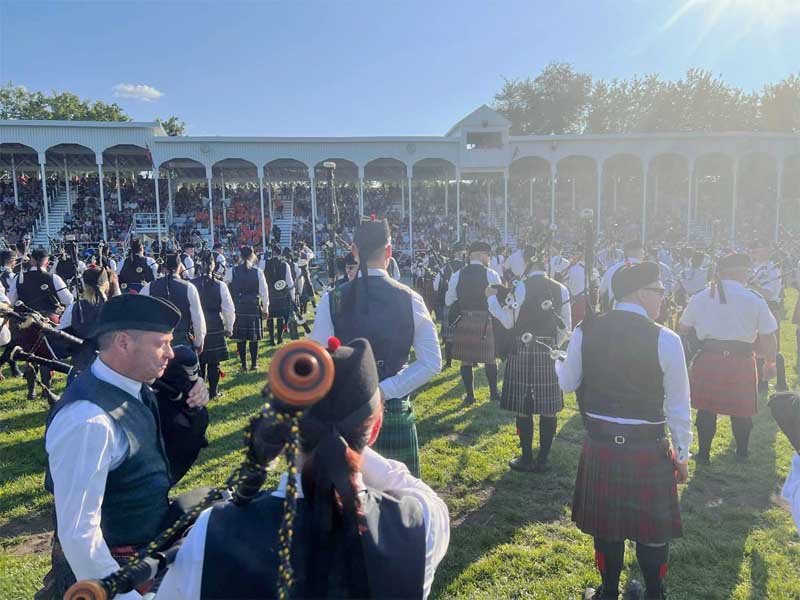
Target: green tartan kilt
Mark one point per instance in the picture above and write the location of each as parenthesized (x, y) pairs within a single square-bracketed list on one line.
[(398, 436)]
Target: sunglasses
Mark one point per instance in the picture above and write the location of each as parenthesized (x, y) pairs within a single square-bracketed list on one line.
[(659, 291)]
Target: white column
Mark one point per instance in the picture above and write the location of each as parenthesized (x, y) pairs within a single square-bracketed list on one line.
[(209, 176), (572, 182), (102, 196), (270, 204), (505, 208), (171, 203), (410, 216), (598, 215), (616, 191), (530, 194), (552, 194), (489, 203), (45, 207), (14, 177), (119, 189), (361, 191), (778, 200), (446, 191), (66, 182), (458, 206), (261, 204), (644, 201), (313, 209), (156, 174), (402, 199), (655, 196), (690, 185), (224, 209), (734, 197)]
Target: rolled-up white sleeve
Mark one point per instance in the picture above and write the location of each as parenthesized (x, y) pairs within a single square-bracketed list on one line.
[(151, 262), (198, 317), (323, 325), (263, 291), (452, 293), (228, 307), (428, 355), (289, 278), (791, 489), (570, 370), (62, 291), (386, 475), (677, 404)]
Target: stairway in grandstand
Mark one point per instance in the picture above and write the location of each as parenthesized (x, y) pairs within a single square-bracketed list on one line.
[(285, 220), (58, 208)]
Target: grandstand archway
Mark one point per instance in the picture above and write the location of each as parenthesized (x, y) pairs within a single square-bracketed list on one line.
[(183, 188), (576, 189), (757, 197), (342, 202), (123, 162), (712, 205), (622, 191), (385, 188), (430, 201), (530, 187), (236, 200), (668, 197), (19, 164)]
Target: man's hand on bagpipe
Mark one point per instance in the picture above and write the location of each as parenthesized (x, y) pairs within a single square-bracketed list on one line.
[(301, 374)]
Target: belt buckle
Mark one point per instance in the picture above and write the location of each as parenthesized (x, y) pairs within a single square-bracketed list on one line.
[(619, 439)]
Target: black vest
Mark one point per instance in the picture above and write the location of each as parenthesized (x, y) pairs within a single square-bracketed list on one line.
[(135, 273), (176, 290), (84, 316), (532, 318), (622, 376), (66, 269), (244, 289), (38, 291), (388, 324), (211, 301), (471, 288), (135, 502), (386, 561), (275, 271)]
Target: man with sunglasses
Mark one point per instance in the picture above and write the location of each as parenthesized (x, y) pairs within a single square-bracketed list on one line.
[(632, 384)]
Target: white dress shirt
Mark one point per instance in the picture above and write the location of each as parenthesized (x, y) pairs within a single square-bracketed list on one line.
[(743, 317), (508, 316), (516, 263), (791, 489), (767, 280), (62, 291), (188, 268), (198, 319), (672, 360), (5, 332), (183, 580), (151, 262), (393, 269), (83, 444), (576, 278), (425, 344), (492, 278), (228, 308), (694, 279)]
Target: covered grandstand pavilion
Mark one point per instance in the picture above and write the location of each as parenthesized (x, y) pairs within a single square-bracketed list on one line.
[(675, 171)]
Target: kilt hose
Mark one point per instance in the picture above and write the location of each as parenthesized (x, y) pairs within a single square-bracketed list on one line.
[(725, 384), (627, 491), (398, 437), (530, 384), (247, 325), (473, 338)]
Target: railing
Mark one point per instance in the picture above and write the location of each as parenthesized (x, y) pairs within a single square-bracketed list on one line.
[(148, 222)]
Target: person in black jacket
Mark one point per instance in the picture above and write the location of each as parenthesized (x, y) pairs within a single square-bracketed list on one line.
[(250, 296)]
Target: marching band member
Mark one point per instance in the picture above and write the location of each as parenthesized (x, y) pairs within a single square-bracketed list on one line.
[(136, 270), (634, 252), (278, 274), (80, 317), (632, 378), (695, 277), (219, 314), (187, 260), (574, 277), (7, 259), (540, 312), (191, 329), (251, 299), (220, 262), (473, 332), (363, 308), (364, 526), (106, 464), (728, 319), (767, 281), (441, 285)]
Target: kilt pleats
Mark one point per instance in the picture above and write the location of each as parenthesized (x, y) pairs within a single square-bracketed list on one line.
[(398, 437), (530, 383), (725, 384), (473, 338)]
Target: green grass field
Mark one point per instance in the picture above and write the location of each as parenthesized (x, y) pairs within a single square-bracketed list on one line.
[(511, 533)]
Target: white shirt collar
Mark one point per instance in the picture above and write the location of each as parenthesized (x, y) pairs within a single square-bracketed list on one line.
[(732, 283), (373, 271), (280, 492), (105, 373), (630, 307), (475, 262)]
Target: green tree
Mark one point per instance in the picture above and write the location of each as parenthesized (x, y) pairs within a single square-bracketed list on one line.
[(16, 102), (173, 126)]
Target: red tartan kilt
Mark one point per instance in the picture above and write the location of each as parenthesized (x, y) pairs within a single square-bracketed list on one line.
[(627, 492), (725, 385), (578, 310), (473, 338)]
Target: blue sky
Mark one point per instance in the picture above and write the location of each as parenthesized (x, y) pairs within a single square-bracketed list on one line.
[(304, 68)]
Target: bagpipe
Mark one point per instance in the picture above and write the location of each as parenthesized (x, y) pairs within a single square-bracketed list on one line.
[(300, 375)]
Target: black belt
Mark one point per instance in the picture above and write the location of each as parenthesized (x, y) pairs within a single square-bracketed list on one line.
[(620, 433), (734, 347)]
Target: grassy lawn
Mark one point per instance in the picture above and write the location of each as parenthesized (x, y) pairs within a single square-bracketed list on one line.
[(511, 533)]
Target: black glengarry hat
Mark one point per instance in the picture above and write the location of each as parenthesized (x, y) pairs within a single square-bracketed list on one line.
[(630, 278), (139, 312)]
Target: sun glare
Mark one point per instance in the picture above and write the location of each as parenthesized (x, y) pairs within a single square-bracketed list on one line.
[(765, 13)]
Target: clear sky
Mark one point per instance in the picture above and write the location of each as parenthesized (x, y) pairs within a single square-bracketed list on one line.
[(305, 68)]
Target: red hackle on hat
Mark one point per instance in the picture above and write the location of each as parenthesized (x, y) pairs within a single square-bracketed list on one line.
[(372, 217), (333, 343)]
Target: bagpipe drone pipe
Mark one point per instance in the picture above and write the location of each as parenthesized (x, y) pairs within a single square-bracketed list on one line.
[(300, 375)]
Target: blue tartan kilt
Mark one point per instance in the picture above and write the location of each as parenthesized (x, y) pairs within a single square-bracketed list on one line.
[(398, 437), (215, 348), (530, 383)]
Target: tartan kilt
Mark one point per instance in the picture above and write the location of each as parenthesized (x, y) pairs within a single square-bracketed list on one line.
[(473, 338), (530, 383), (280, 307), (215, 347), (725, 385), (247, 325), (627, 492), (578, 309), (398, 437)]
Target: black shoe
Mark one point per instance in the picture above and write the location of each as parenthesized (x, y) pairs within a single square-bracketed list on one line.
[(469, 400), (541, 466), (449, 364), (15, 371), (633, 591), (597, 594), (522, 464), (254, 367), (701, 459), (31, 395)]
